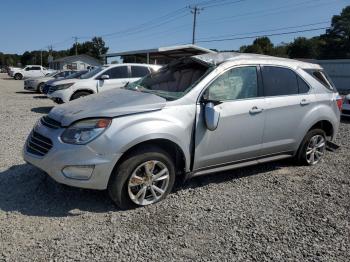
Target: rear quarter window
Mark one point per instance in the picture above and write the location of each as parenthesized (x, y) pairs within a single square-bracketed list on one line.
[(322, 77)]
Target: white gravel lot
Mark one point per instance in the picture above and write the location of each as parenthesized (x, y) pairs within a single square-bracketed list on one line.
[(270, 212)]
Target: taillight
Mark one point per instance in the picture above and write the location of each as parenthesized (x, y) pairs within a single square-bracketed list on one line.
[(339, 100)]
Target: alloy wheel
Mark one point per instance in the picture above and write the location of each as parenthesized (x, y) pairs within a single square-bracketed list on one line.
[(315, 149), (148, 183)]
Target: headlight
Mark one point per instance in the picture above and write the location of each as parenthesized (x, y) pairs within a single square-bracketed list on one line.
[(85, 131), (63, 86)]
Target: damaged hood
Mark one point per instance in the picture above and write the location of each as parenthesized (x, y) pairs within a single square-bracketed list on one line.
[(112, 103)]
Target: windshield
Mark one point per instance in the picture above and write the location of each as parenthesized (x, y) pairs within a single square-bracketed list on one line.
[(52, 74), (173, 81), (92, 72), (77, 74)]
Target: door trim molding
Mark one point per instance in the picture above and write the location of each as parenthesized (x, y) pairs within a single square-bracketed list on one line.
[(240, 163)]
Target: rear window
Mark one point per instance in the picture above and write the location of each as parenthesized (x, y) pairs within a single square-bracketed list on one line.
[(139, 71), (279, 81), (322, 77)]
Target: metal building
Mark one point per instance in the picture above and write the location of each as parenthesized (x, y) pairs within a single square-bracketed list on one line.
[(161, 55)]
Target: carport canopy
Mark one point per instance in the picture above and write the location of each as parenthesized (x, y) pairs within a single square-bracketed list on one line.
[(161, 55)]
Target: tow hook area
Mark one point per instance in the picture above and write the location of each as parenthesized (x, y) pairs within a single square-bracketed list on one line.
[(330, 146)]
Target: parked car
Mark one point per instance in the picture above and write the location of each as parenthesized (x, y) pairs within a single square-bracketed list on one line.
[(196, 116), (12, 69), (29, 71), (37, 83), (98, 80), (74, 75), (346, 106)]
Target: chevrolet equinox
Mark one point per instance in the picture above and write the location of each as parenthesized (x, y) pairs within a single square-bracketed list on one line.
[(195, 116)]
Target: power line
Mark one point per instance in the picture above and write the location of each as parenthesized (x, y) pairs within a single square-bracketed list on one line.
[(267, 30), (265, 35)]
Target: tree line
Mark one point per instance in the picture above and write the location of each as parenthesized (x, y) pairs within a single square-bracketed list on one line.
[(333, 44), (95, 48)]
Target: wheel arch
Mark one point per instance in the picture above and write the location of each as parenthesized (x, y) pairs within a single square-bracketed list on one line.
[(171, 147), (82, 90)]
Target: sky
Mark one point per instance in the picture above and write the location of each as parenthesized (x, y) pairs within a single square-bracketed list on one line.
[(141, 24)]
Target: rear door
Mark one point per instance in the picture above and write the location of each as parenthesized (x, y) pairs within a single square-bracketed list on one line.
[(241, 124), (287, 101), (36, 71), (118, 77)]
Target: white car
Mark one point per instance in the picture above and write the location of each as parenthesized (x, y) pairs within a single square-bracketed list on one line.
[(346, 106), (98, 80), (37, 83), (29, 71)]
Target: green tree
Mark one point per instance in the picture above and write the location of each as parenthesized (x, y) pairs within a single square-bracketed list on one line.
[(337, 38), (262, 45), (304, 48), (95, 48)]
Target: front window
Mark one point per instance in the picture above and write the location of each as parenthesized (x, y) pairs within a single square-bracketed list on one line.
[(173, 81), (237, 83)]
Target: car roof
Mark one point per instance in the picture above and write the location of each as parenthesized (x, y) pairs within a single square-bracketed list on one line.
[(132, 64), (244, 58)]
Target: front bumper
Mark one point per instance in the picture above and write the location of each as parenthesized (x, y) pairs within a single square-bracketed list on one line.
[(59, 96), (30, 86), (76, 158)]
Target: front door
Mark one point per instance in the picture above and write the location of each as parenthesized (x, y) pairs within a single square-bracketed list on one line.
[(241, 124), (118, 77)]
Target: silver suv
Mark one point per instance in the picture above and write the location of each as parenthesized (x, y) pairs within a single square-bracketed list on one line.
[(198, 115)]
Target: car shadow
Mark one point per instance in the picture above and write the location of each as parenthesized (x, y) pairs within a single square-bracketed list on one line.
[(42, 109), (221, 177), (30, 191), (25, 92), (345, 120)]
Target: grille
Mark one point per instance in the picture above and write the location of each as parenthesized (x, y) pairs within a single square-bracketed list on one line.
[(38, 144), (49, 122), (51, 89)]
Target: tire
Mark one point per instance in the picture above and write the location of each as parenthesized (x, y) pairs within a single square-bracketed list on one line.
[(124, 186), (79, 94), (303, 156), (40, 88), (18, 76)]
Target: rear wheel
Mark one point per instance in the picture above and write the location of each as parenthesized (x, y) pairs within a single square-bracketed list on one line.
[(79, 95), (18, 76), (312, 148), (145, 177)]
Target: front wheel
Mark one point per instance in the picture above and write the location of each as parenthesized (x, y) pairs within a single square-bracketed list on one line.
[(312, 148), (18, 76), (145, 177), (40, 88)]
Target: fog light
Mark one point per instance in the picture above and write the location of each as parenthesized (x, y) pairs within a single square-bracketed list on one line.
[(78, 172)]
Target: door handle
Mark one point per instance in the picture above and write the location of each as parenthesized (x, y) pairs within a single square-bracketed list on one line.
[(255, 110), (304, 102)]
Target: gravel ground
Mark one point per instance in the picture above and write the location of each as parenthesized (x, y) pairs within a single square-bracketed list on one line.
[(274, 211)]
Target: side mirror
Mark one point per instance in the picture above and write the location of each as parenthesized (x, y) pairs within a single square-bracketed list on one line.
[(104, 77), (212, 116)]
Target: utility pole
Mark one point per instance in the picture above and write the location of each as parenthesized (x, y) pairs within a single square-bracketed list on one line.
[(195, 10), (41, 57), (76, 45)]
